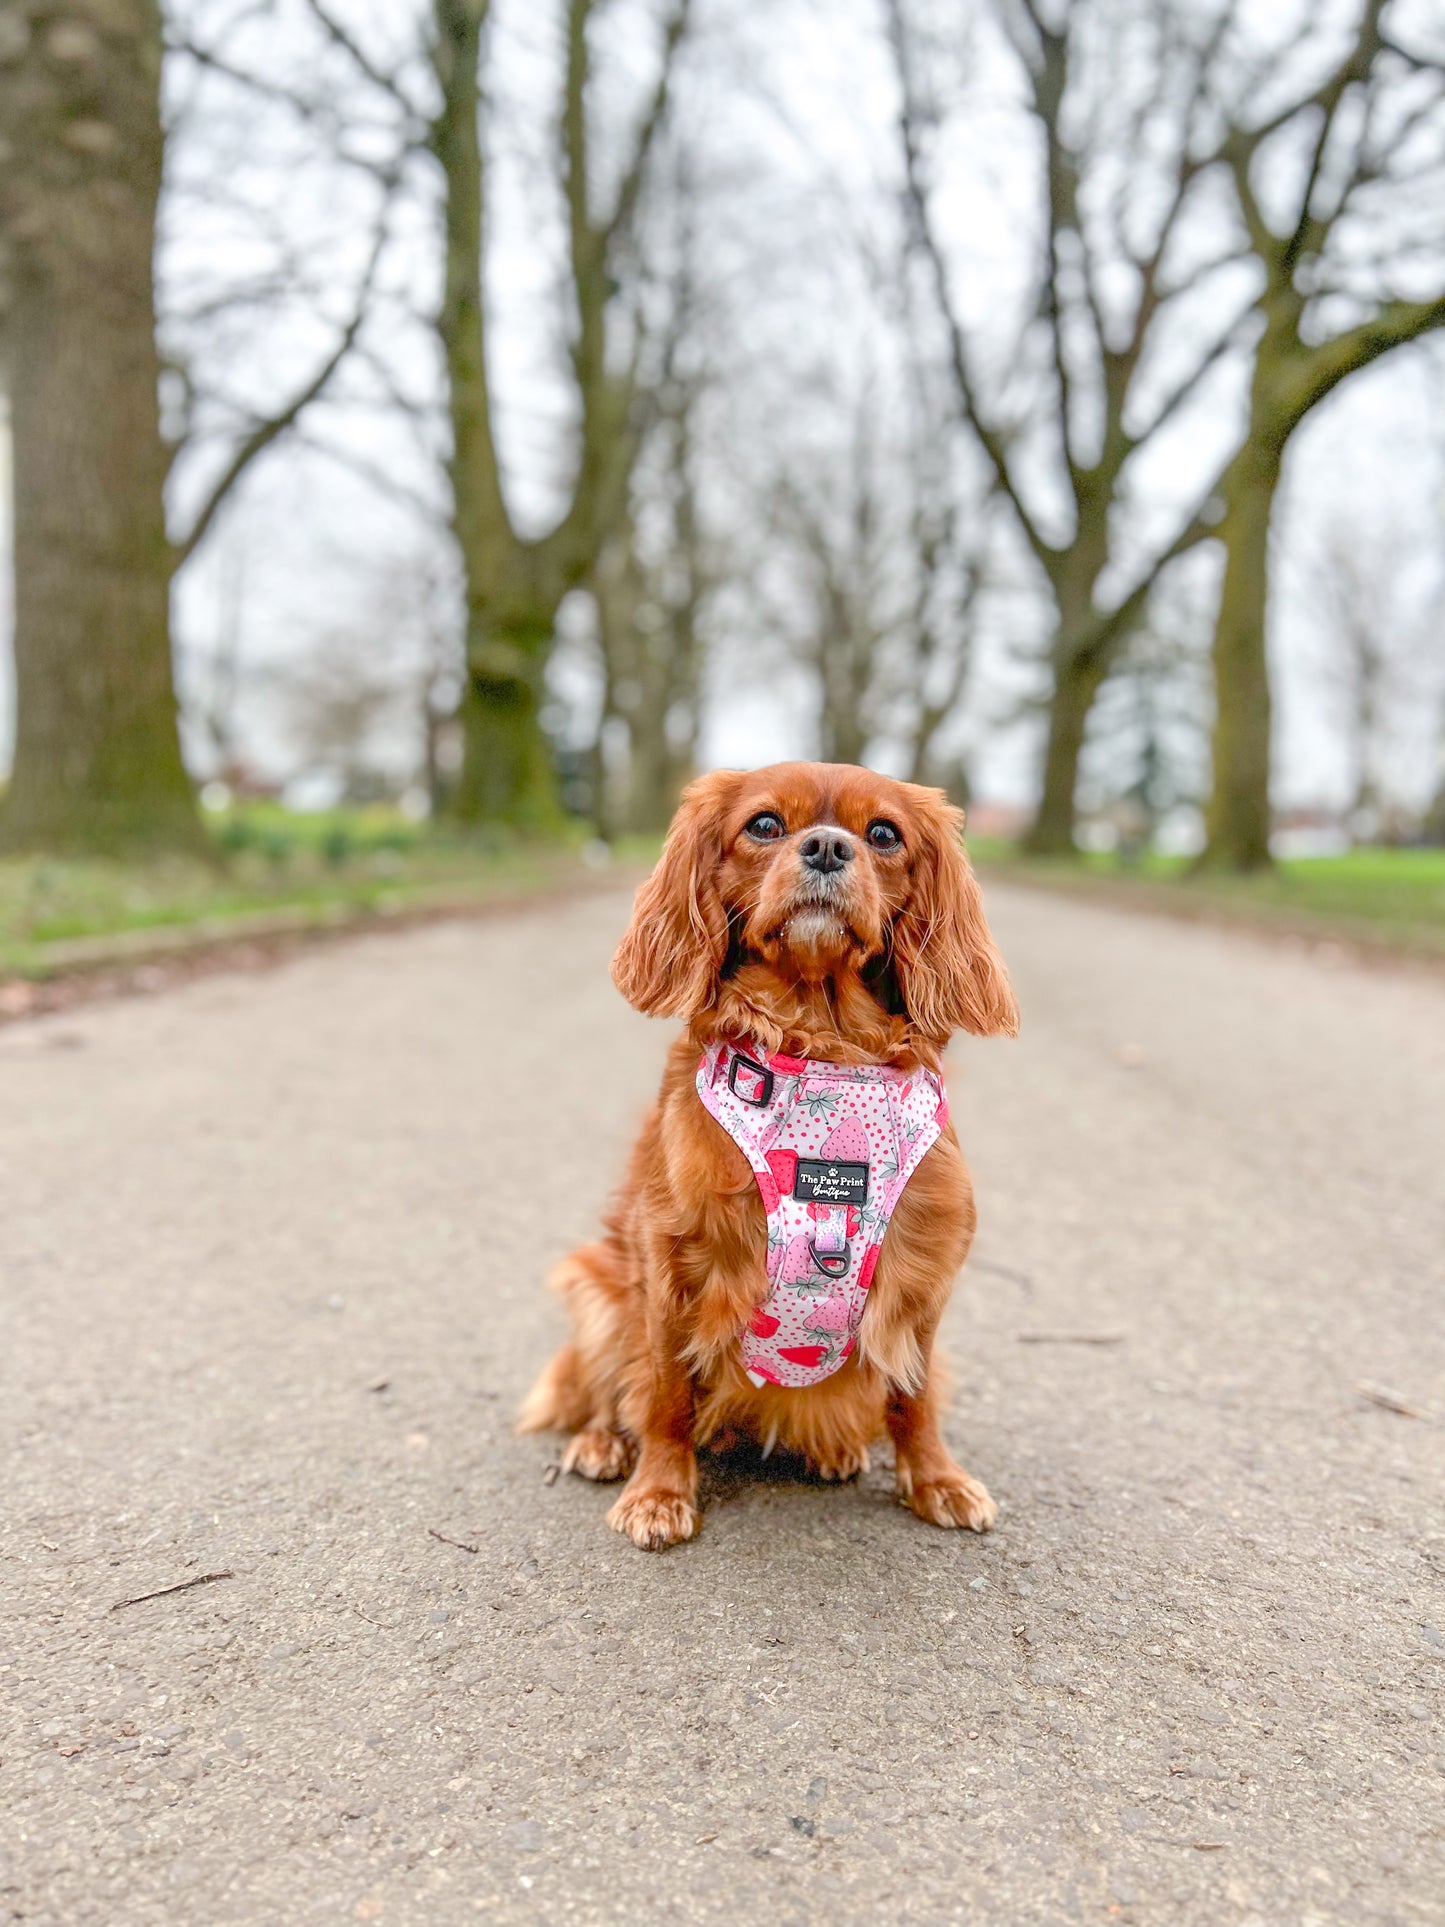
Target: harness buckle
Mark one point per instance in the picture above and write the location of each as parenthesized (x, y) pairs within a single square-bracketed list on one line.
[(832, 1264), (756, 1085)]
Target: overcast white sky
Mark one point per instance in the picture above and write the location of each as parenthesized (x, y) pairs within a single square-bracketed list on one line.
[(788, 109)]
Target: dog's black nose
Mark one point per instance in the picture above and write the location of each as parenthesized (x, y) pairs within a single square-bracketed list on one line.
[(826, 850)]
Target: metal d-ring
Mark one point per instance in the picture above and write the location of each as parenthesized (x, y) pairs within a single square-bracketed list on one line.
[(832, 1264)]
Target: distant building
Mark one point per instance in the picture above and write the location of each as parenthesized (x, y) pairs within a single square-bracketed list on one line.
[(1007, 821)]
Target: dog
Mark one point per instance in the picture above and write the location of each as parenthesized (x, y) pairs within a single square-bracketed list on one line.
[(820, 932)]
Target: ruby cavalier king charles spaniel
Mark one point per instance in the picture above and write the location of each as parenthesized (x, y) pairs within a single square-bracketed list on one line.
[(796, 1207)]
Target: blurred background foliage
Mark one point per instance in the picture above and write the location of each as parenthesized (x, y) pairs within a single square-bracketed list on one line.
[(438, 429)]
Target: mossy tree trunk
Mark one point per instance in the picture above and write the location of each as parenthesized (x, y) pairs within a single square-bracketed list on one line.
[(1294, 370), (97, 751), (651, 645), (507, 775), (1083, 652), (97, 755), (1291, 377), (1076, 683), (1239, 813)]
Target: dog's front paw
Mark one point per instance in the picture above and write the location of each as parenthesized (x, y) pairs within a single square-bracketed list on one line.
[(846, 1463), (949, 1499), (596, 1453), (654, 1519)]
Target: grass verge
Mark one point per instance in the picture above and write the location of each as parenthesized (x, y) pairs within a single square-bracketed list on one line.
[(277, 874), (1379, 900)]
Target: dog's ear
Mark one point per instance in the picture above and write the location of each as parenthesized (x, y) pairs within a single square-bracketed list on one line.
[(668, 962), (949, 974)]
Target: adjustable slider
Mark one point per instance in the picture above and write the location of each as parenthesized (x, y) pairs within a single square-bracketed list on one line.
[(753, 1083)]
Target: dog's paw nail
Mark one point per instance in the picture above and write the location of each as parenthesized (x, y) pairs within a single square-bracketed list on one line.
[(598, 1454), (847, 1466), (654, 1520), (953, 1502)]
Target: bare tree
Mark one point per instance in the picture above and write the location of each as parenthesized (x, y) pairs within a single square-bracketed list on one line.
[(656, 573), (886, 565), (212, 705), (1359, 220), (1105, 86), (515, 582), (650, 599), (1148, 752), (948, 540), (832, 516), (1377, 663), (346, 711)]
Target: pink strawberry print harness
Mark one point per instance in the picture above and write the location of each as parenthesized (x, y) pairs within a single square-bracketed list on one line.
[(831, 1146)]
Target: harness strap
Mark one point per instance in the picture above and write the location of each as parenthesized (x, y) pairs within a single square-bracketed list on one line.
[(832, 1147)]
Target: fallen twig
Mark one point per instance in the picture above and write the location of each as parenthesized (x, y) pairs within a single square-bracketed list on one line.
[(1010, 1272), (446, 1539), (163, 1592), (549, 1477), (1387, 1400), (1071, 1338)]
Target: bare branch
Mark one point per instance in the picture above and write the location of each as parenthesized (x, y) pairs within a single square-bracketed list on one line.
[(1373, 169), (215, 62), (1325, 366), (1050, 79), (1188, 384), (1421, 63), (313, 111), (916, 201), (647, 132), (268, 431), (1280, 252), (575, 152), (389, 84), (433, 513), (1310, 231), (1099, 641), (481, 515), (1238, 153)]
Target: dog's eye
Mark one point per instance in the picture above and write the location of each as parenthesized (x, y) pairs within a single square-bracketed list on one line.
[(766, 827), (883, 835)]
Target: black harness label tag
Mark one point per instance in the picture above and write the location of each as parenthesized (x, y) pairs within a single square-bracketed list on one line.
[(831, 1181)]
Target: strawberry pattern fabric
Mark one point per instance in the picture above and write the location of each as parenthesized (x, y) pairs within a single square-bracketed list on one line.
[(831, 1147)]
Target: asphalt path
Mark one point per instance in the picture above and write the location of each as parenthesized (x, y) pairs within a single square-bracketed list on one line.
[(271, 1250)]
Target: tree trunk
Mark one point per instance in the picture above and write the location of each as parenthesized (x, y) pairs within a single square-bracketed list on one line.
[(97, 749), (648, 634), (661, 763), (651, 798), (845, 666), (507, 775), (1076, 684), (1238, 818), (1081, 661)]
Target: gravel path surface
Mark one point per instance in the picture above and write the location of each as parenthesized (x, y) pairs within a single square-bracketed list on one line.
[(270, 1255)]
